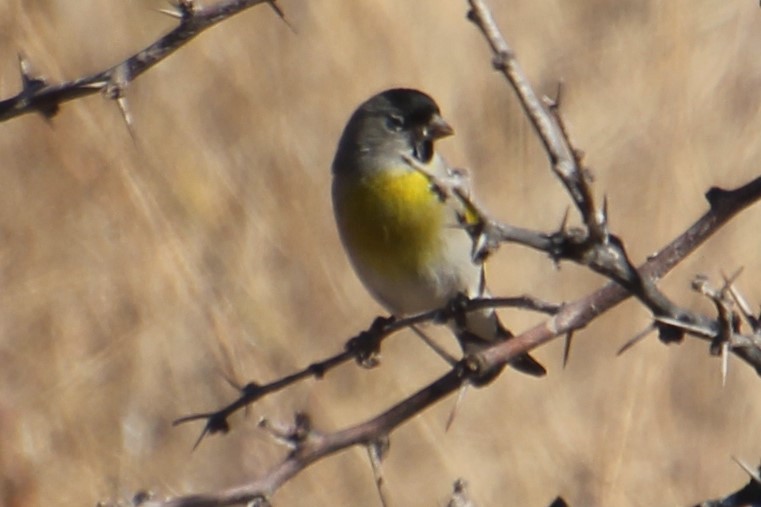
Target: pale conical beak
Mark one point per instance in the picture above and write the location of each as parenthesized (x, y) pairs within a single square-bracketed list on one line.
[(437, 128)]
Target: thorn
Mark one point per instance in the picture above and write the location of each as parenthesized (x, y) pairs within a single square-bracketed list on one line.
[(724, 363), (231, 382), (275, 7), (281, 14), (115, 90), (564, 220), (25, 70), (753, 473), (200, 438), (567, 348), (636, 339), (678, 324), (745, 309), (728, 281), (180, 9), (601, 219), (739, 300), (172, 13), (377, 451), (556, 252), (243, 390), (29, 82), (460, 396), (438, 349), (95, 85), (554, 103), (122, 103), (216, 422)]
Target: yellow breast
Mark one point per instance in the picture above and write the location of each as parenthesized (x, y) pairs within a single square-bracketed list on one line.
[(391, 222)]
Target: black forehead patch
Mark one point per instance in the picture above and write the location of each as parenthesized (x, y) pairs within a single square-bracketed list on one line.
[(415, 106)]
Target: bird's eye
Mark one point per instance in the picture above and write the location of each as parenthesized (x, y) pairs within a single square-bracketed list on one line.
[(395, 122)]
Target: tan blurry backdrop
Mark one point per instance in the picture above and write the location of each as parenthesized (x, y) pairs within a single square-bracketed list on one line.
[(136, 276)]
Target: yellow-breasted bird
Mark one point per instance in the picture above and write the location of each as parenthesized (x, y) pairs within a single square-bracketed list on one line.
[(406, 240)]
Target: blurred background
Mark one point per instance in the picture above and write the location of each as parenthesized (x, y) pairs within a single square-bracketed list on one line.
[(138, 277)]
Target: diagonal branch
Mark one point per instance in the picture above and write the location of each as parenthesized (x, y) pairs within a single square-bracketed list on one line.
[(38, 96), (363, 348), (316, 446)]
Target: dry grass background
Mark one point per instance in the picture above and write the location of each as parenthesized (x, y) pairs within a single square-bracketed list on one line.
[(135, 276)]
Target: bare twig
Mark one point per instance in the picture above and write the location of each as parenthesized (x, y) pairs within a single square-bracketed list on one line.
[(37, 95)]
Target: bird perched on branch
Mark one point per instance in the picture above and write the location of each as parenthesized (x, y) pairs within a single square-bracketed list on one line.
[(405, 233)]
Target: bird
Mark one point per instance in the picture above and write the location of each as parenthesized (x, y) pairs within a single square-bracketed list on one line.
[(406, 239)]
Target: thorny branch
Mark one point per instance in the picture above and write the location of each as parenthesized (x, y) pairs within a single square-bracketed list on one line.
[(363, 348), (311, 445), (37, 95), (593, 246)]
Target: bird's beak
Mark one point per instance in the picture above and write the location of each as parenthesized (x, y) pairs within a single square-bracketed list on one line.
[(437, 128)]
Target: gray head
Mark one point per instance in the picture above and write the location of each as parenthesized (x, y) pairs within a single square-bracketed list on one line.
[(389, 125)]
